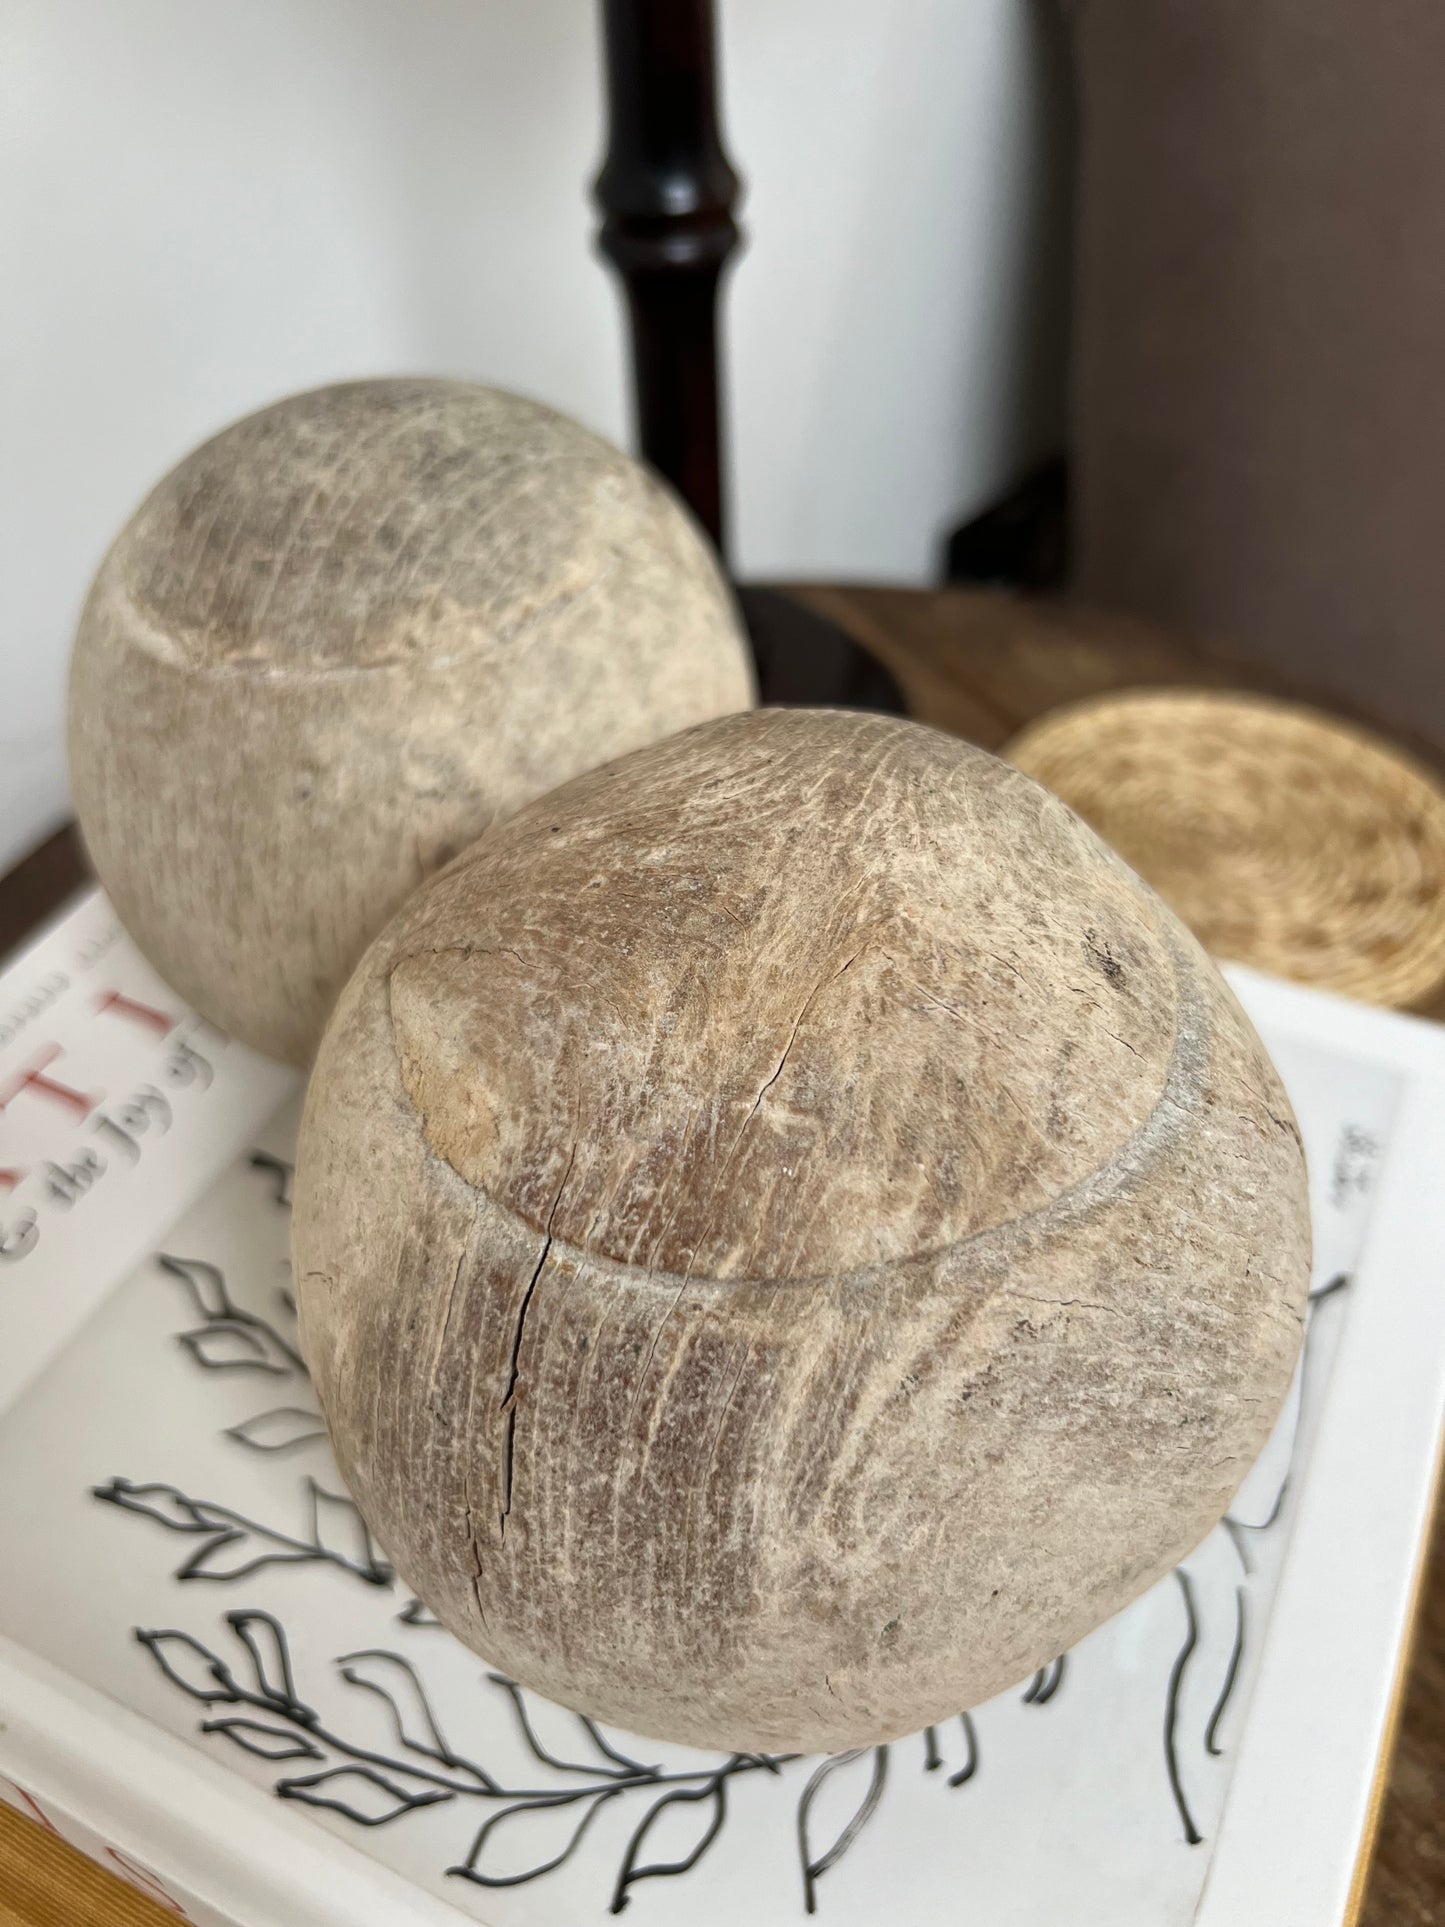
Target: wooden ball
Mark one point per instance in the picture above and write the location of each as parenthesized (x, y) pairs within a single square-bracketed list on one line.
[(340, 640), (792, 1233)]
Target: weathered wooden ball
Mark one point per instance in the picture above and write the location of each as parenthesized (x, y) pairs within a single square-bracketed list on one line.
[(792, 1233), (342, 638)]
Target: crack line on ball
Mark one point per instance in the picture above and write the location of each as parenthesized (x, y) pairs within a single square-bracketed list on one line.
[(1060, 1304), (509, 1397)]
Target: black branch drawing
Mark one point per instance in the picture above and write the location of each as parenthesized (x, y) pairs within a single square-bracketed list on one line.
[(933, 1759), (232, 1546), (1211, 1742), (816, 1862), (229, 1338), (1171, 1708), (281, 1428), (253, 1702), (232, 1339), (1045, 1682)]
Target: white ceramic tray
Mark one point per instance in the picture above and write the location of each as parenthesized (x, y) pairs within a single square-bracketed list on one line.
[(209, 1678)]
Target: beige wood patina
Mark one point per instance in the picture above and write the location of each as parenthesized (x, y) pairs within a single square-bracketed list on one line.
[(341, 639)]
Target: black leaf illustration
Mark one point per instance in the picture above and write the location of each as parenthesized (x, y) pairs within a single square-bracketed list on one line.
[(933, 1753), (545, 1823), (281, 1429), (1238, 1541), (970, 1757), (263, 1639), (1045, 1682), (163, 1503), (266, 1742), (1270, 1517), (339, 1531), (369, 1798), (191, 1666), (395, 1682), (206, 1677), (1211, 1743), (1329, 1288), (281, 1174), (711, 1798), (815, 1865), (228, 1555), (414, 1613), (627, 1763), (230, 1345), (237, 1546), (1171, 1708), (620, 1766), (205, 1283), (537, 1828), (231, 1338), (243, 1548)]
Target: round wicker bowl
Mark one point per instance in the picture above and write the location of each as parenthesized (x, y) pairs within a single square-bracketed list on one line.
[(1286, 839)]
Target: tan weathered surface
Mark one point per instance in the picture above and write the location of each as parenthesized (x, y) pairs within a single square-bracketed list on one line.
[(791, 1233), (341, 639)]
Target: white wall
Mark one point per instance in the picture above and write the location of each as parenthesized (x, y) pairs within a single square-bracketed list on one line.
[(205, 206)]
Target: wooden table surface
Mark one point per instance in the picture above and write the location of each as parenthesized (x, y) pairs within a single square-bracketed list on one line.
[(981, 665)]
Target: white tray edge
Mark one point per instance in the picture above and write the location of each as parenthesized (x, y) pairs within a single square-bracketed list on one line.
[(1338, 1681), (232, 1845)]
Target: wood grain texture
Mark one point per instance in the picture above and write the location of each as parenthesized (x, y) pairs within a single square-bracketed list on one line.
[(341, 639), (44, 1882), (791, 1234), (986, 662)]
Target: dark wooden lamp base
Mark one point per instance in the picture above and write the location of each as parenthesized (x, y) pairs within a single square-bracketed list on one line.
[(668, 194)]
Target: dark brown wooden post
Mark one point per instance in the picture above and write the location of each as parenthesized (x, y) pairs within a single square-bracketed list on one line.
[(667, 192)]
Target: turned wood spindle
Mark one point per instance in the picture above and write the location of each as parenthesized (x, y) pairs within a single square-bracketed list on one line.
[(667, 192)]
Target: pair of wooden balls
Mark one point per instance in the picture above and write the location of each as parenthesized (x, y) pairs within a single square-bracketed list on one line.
[(790, 1231), (341, 639)]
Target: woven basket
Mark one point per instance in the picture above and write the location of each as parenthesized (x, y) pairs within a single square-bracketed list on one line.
[(1284, 838)]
